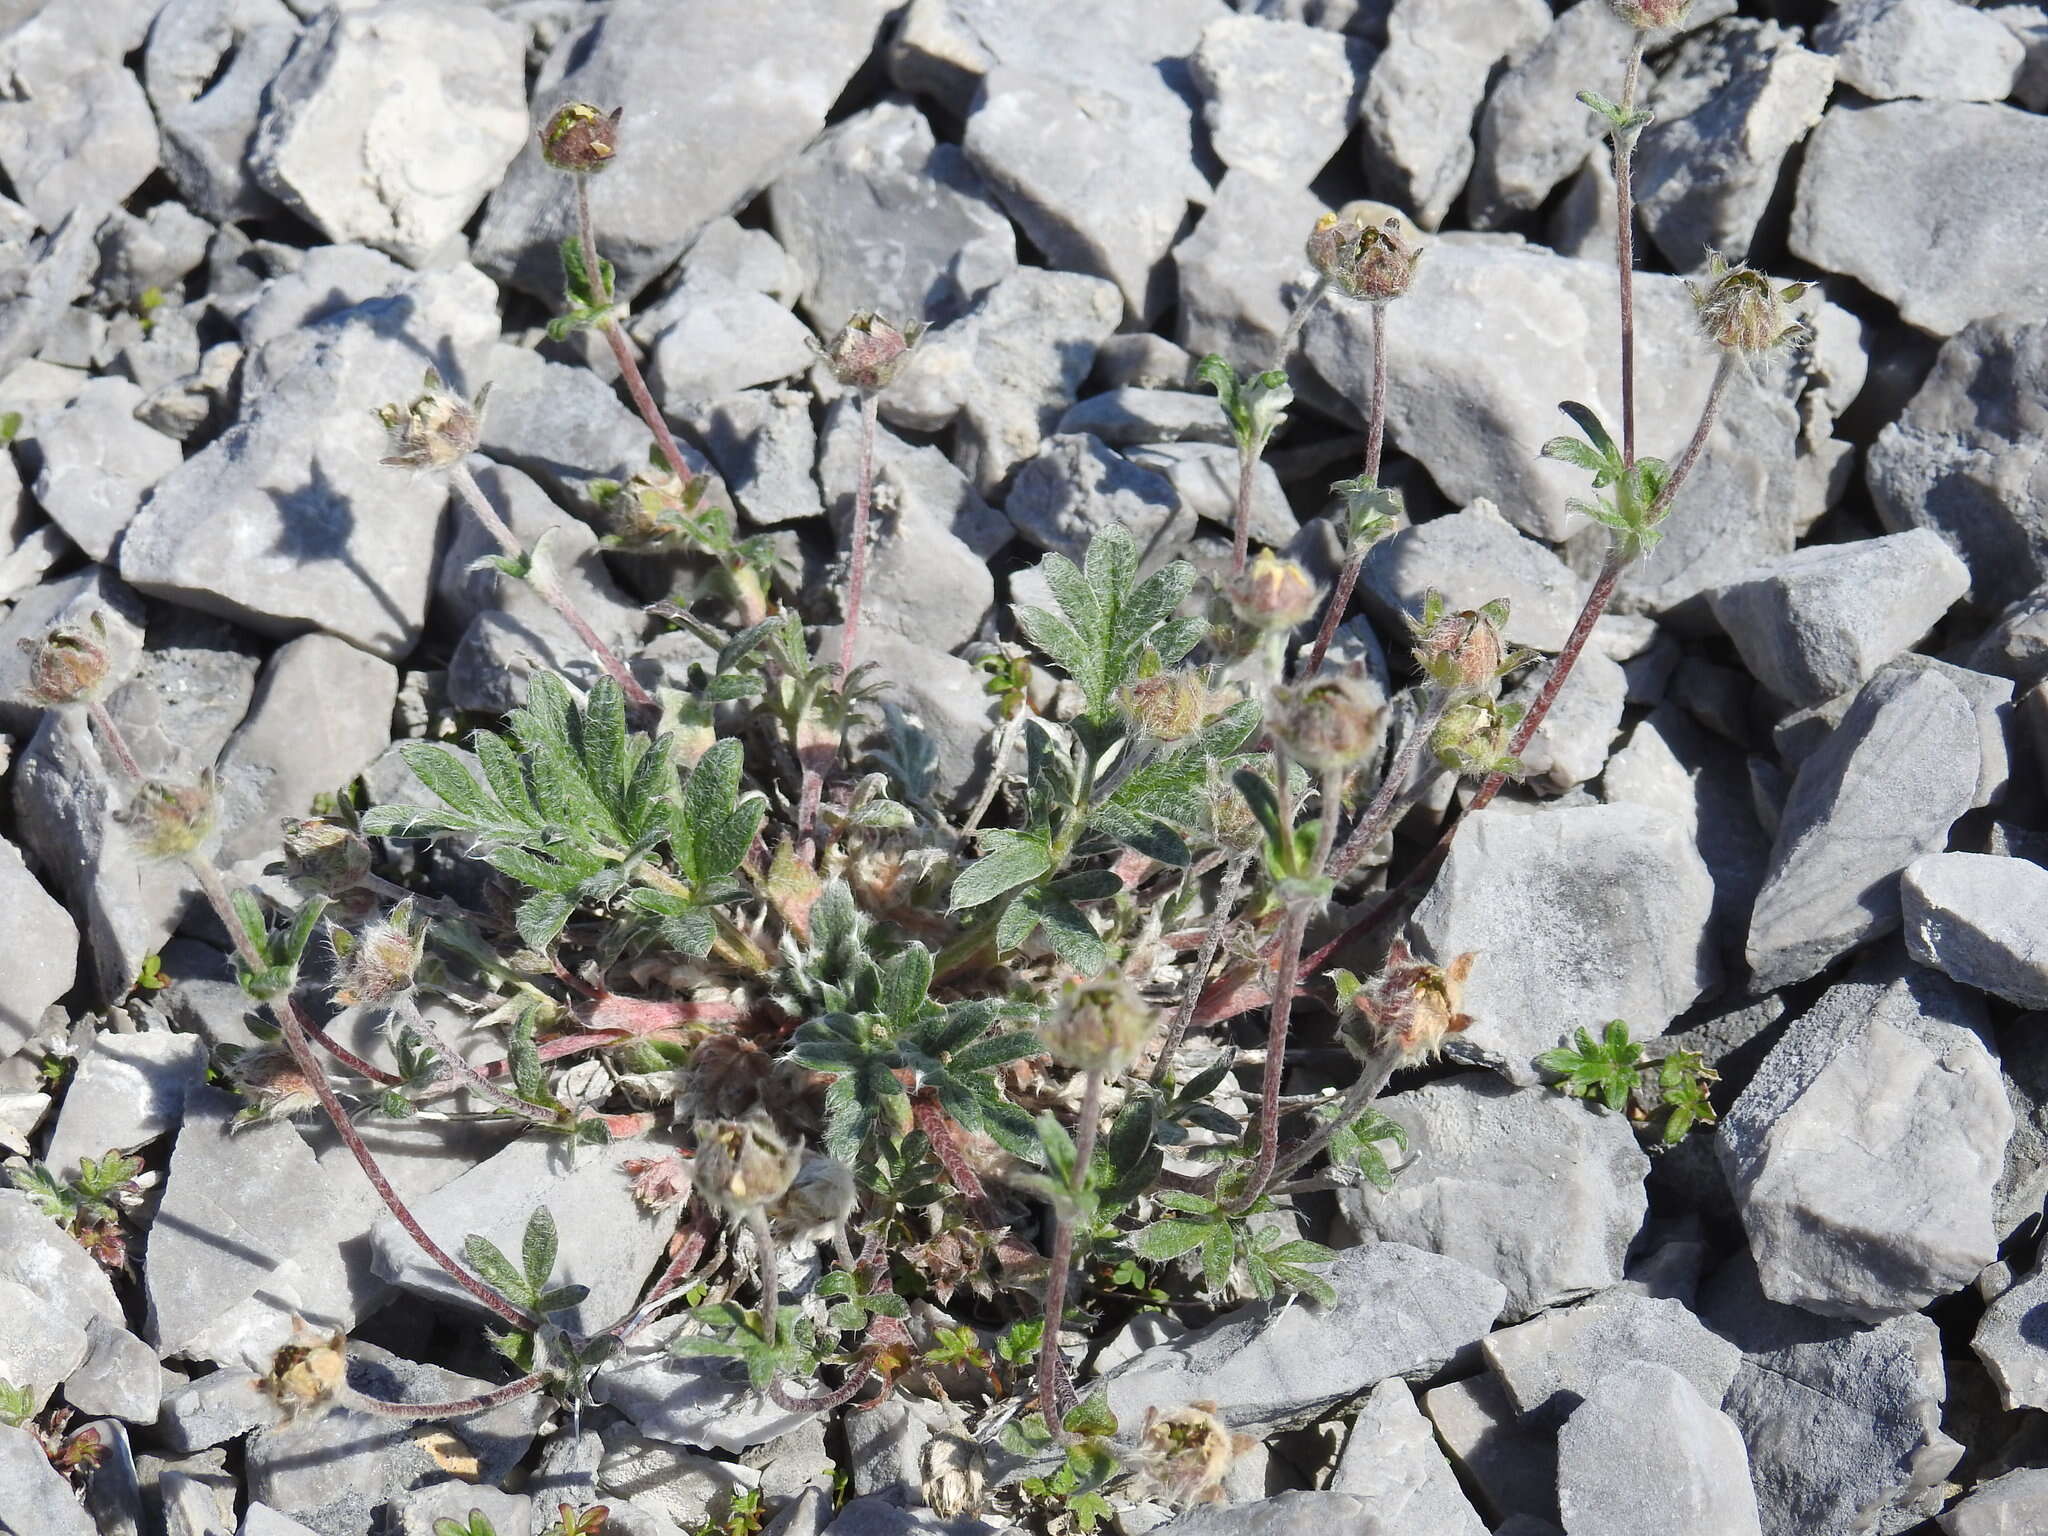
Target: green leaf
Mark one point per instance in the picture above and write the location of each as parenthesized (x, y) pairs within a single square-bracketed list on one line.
[(495, 1269), (1169, 1239), (1583, 417), (537, 1249), (1091, 1417), (451, 783), (1010, 859), (541, 917), (1072, 937), (906, 979)]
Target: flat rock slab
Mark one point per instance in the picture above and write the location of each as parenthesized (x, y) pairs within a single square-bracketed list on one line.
[(1646, 1455), (1982, 920), (1552, 1363), (1392, 1463)]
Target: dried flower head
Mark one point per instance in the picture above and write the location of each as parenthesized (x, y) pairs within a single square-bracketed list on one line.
[(70, 663), (581, 139), (1739, 310), (169, 821), (1098, 1026), (436, 429), (952, 1475), (818, 1200), (275, 1085), (1410, 1007), (1365, 261), (1465, 651), (727, 1074), (1329, 723), (869, 352), (1651, 15), (1273, 594), (379, 964), (308, 1372), (1184, 1453), (1168, 706), (324, 858), (659, 1183), (743, 1165)]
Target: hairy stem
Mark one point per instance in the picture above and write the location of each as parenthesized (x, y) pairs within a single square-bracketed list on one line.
[(1050, 1375), (1241, 523), (1219, 922), (1379, 815), (1372, 1078), (857, 551), (116, 742), (463, 1072), (1297, 319), (1624, 248), (1333, 614), (825, 1402), (771, 1273), (994, 785), (512, 1391), (946, 1148), (1375, 442)]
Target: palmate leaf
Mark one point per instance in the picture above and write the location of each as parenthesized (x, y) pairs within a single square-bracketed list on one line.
[(1106, 615)]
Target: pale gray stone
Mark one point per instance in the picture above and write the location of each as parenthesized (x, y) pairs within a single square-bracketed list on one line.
[(1822, 620), (1278, 97), (76, 132), (38, 1348), (761, 81), (1880, 791), (1570, 746), (1533, 132), (37, 1496), (212, 1409), (1078, 486), (1242, 269), (689, 1400), (765, 446), (1204, 477), (1647, 1455), (1512, 1464), (1125, 416), (208, 65), (2015, 1504), (40, 1256), (1391, 1464), (916, 476), (2013, 1343), (1864, 1153), (1140, 360), (725, 339), (155, 251), (1934, 48), (129, 1090), (317, 285), (752, 258), (421, 1509), (1523, 1184), (1731, 104), (878, 215), (2017, 645), (1473, 557), (42, 941), (1882, 185), (1553, 1362), (1980, 920), (1007, 370), (1578, 916), (1285, 1514), (2028, 23), (120, 1377), (37, 291)]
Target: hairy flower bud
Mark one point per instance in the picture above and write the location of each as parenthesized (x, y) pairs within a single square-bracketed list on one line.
[(324, 858), (1409, 1008), (659, 1183), (169, 821), (1273, 594), (1473, 737), (1329, 723), (1737, 308), (1650, 15), (1169, 706), (1098, 1026), (580, 139), (379, 964), (70, 663), (1364, 261), (869, 352), (308, 1371), (1183, 1453), (743, 1165), (436, 429), (818, 1199), (1464, 651), (275, 1085)]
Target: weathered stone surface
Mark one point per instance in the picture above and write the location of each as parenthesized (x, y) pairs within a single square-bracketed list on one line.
[(1553, 1362), (762, 80), (1647, 1455), (1242, 269), (1842, 1421), (687, 1400), (98, 463), (40, 1256), (1007, 370), (42, 941), (1522, 1184), (1512, 1464), (344, 141), (1881, 183), (1578, 916), (1570, 746), (1864, 1153), (1960, 461), (1078, 486), (1473, 557), (1882, 790), (1400, 1312), (916, 476), (1934, 48), (130, 1089), (877, 214), (2028, 23), (1980, 919), (38, 1497), (57, 270), (207, 67), (725, 338), (420, 1510), (1204, 477), (37, 1349), (1425, 87), (1392, 1465), (2012, 1505), (81, 138), (288, 522), (119, 1379), (2012, 1341), (1533, 132), (1285, 1514), (764, 444), (1125, 416), (2017, 645), (1821, 621), (1278, 97)]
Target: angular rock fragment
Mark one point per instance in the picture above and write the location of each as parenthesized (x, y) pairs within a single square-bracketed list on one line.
[(725, 338), (1076, 487), (1553, 1362), (1982, 920), (1512, 1464), (208, 65), (1278, 97), (1647, 1455), (918, 477), (43, 941), (1391, 1463), (1533, 132), (1473, 557), (1242, 270), (1933, 48), (76, 133), (1570, 746), (1204, 476), (2011, 1505), (129, 1090), (2009, 1342)]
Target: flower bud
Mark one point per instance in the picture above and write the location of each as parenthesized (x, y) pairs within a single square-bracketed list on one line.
[(1473, 737), (1169, 706), (1652, 14), (580, 139), (1098, 1026), (308, 1371), (1463, 651), (869, 352), (818, 1199), (323, 857), (379, 963), (743, 1165), (1361, 260), (275, 1085), (659, 1183), (1273, 594), (70, 663), (169, 821), (1409, 1008), (1738, 310), (1329, 723), (436, 429), (1184, 1453)]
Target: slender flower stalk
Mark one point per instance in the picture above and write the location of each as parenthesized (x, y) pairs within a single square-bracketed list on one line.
[(511, 1392), (857, 540), (1624, 243), (462, 1072), (1051, 1376), (1394, 789), (117, 743), (1298, 318), (1375, 440)]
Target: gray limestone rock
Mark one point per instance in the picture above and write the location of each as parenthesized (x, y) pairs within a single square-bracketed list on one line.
[(1933, 48), (344, 137), (1647, 1455), (1522, 1184), (38, 1349), (1511, 1463), (2028, 23), (2017, 645), (1278, 97), (76, 132), (1731, 104), (942, 695), (1391, 1463), (463, 592), (1242, 269), (1473, 557), (761, 81), (1820, 621), (155, 251), (752, 258), (40, 1256), (1533, 133), (313, 286), (878, 215), (44, 280), (207, 67), (2024, 1182), (42, 942), (1981, 920), (1882, 185), (922, 481), (1880, 791), (212, 1409), (288, 522), (129, 1090), (1552, 1363), (120, 1377), (1842, 1420), (1078, 486), (1140, 360), (1426, 87), (1578, 916), (420, 1510), (725, 338), (1127, 415), (2014, 1504), (2012, 1341), (1864, 1153), (764, 444), (1007, 370), (689, 1400), (1285, 1514), (1400, 1311), (1204, 477), (35, 1494), (1570, 747)]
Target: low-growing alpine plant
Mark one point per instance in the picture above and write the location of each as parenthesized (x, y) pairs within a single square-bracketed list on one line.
[(981, 1058)]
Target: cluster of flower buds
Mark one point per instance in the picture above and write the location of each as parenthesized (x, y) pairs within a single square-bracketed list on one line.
[(1365, 261), (1329, 723), (1098, 1026), (1474, 737), (1169, 706), (1273, 595), (1652, 15), (324, 858), (1409, 1008), (166, 820), (70, 663), (436, 429), (1740, 311), (381, 963), (1466, 652), (869, 352), (580, 139), (743, 1166)]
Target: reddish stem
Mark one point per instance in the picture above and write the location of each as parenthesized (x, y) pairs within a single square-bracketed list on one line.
[(857, 551), (1375, 441), (525, 1386), (1051, 1378), (104, 719), (938, 1130), (1624, 249)]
